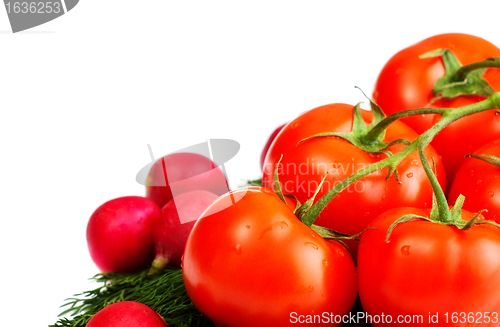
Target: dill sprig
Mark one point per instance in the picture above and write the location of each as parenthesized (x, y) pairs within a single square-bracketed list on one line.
[(164, 293), (255, 182)]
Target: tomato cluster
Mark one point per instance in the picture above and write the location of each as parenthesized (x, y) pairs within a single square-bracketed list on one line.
[(351, 206)]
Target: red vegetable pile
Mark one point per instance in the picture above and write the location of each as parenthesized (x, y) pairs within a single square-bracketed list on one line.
[(361, 219)]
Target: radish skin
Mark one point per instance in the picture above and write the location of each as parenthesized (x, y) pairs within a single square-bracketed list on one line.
[(120, 234), (127, 314), (178, 173), (170, 234)]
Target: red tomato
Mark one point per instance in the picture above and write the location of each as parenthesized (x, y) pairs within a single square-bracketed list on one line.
[(268, 144), (303, 167), (178, 173), (406, 82), (430, 268), (479, 181), (254, 263)]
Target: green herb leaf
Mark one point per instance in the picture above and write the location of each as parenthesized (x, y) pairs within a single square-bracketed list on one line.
[(164, 293)]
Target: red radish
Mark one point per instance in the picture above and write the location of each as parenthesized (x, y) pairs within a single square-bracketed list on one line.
[(268, 144), (127, 314), (120, 234), (182, 172), (174, 224)]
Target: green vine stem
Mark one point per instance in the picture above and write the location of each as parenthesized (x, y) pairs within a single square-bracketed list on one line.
[(440, 198), (462, 72), (448, 115), (486, 158), (381, 126)]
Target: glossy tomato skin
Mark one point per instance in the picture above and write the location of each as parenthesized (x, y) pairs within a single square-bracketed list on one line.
[(429, 268), (479, 182), (406, 82), (254, 263), (303, 167)]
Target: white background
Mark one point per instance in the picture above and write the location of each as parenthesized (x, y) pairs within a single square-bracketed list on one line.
[(83, 95)]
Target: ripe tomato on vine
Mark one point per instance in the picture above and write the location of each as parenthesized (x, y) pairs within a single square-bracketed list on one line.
[(408, 81)]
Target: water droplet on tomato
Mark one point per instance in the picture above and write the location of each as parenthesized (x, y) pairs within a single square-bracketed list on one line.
[(237, 248), (311, 288), (312, 245), (335, 165), (341, 253), (405, 250), (295, 125), (490, 193), (479, 181), (409, 175), (325, 263), (496, 177), (248, 226), (384, 196), (496, 142), (313, 235), (182, 265)]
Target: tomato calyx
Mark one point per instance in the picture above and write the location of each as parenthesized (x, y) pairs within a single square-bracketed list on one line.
[(360, 135), (486, 158), (440, 212), (301, 209), (458, 223), (253, 182), (461, 80)]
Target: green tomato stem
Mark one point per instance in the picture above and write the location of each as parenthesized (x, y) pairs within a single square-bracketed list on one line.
[(449, 115), (383, 124), (462, 72), (444, 211)]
